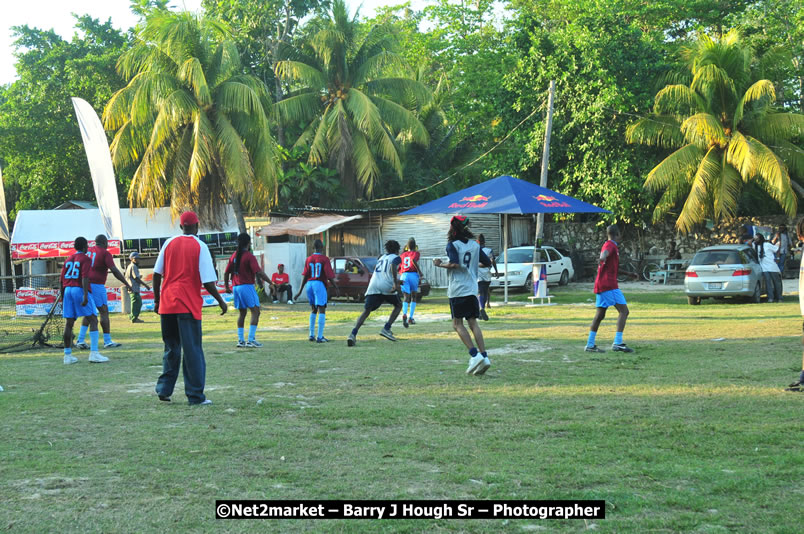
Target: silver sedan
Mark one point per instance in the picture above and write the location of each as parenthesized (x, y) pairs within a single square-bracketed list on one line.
[(724, 271)]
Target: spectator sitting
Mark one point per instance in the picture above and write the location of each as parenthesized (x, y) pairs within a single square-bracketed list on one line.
[(280, 281), (673, 253)]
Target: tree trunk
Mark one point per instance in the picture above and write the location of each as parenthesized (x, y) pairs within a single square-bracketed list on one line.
[(238, 209)]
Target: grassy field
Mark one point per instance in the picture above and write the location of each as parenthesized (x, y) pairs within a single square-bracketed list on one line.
[(693, 432)]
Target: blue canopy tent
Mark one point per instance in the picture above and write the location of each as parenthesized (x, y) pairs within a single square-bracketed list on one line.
[(505, 195)]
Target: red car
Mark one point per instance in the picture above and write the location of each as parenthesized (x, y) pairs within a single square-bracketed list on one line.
[(352, 275)]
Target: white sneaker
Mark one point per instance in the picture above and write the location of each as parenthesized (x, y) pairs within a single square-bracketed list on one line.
[(207, 402), (69, 358), (82, 345), (97, 357), (483, 367), (241, 344), (111, 345), (253, 344), (276, 302), (290, 301), (474, 363)]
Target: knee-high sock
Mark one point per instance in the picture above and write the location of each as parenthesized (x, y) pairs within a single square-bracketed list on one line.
[(618, 338), (412, 308), (405, 308), (240, 334), (93, 340), (312, 324), (322, 320), (252, 332), (590, 342), (82, 334), (107, 338)]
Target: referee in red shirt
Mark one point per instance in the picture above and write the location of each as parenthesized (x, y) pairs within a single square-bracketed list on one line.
[(183, 266)]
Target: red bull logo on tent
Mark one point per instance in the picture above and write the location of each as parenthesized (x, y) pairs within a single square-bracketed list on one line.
[(550, 202), (474, 201)]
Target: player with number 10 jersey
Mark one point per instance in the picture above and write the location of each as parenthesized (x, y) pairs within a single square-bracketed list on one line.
[(317, 270)]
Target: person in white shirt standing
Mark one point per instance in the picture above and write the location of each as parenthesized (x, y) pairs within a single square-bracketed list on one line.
[(798, 385), (382, 288), (766, 252), (464, 258)]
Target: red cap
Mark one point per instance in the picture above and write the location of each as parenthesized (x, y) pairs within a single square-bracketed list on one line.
[(461, 219), (188, 217)]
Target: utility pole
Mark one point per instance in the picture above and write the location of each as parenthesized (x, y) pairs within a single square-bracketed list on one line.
[(546, 156)]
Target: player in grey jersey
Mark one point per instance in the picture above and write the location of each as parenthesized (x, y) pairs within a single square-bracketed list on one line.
[(464, 257), (382, 289)]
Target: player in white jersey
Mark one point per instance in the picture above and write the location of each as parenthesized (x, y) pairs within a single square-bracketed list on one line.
[(382, 288), (798, 385), (464, 257), (484, 278)]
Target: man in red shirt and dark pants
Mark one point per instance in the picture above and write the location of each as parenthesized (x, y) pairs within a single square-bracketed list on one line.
[(183, 266), (280, 282), (608, 293)]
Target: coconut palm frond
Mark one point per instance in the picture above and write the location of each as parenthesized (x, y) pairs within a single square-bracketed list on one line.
[(696, 206), (296, 71), (365, 165), (677, 167), (704, 130), (234, 158), (773, 127), (771, 173), (763, 89), (659, 130), (678, 99), (726, 191), (299, 108), (401, 119)]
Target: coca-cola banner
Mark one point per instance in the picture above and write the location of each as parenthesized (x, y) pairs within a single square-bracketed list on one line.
[(31, 302), (54, 249)]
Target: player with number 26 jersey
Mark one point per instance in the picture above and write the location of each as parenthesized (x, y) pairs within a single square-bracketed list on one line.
[(75, 268)]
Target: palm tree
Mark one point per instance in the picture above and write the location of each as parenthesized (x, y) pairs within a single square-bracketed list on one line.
[(192, 123), (727, 134), (353, 99)]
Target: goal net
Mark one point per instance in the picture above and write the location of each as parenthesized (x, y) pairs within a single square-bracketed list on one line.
[(30, 312)]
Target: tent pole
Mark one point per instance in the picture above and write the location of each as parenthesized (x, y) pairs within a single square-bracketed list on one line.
[(505, 252)]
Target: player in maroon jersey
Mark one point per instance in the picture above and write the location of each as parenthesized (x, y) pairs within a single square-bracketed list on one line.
[(409, 278), (244, 270), (607, 293), (77, 301), (101, 262), (317, 269)]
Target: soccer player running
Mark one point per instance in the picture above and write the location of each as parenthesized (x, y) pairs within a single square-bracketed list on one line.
[(317, 270), (484, 278), (183, 266), (77, 302), (608, 293), (464, 257), (409, 274), (101, 262), (382, 287), (243, 269), (798, 385)]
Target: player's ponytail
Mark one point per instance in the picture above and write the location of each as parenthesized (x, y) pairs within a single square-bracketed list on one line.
[(243, 242), (459, 229)]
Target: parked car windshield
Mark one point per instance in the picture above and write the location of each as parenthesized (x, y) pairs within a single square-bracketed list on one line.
[(370, 263), (717, 257), (520, 256)]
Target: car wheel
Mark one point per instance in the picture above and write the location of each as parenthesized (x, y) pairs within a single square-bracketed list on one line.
[(564, 278), (529, 283), (694, 301), (757, 294)]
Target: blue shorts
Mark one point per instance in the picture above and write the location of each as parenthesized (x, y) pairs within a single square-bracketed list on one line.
[(98, 295), (609, 298), (71, 307), (245, 296), (410, 283), (317, 293)]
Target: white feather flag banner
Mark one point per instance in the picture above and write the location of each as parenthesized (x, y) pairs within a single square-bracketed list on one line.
[(100, 166)]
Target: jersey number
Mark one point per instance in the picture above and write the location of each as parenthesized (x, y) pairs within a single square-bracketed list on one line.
[(92, 256), (467, 258), (72, 270), (380, 266), (407, 262), (316, 270)]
